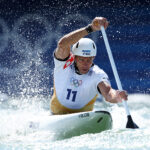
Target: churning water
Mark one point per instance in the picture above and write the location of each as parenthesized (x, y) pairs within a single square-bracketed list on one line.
[(15, 134), (28, 34)]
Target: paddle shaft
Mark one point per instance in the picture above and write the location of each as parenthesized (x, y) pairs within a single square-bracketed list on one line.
[(114, 67)]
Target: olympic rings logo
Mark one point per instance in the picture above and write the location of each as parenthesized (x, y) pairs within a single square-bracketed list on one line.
[(75, 82)]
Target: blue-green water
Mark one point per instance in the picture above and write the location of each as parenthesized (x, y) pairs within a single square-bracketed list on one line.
[(15, 134)]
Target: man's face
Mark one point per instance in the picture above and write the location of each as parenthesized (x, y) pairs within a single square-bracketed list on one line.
[(84, 63)]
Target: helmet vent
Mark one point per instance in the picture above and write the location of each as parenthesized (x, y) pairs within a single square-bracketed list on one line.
[(77, 45), (93, 46)]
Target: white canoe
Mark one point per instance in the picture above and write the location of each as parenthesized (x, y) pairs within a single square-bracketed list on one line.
[(69, 125)]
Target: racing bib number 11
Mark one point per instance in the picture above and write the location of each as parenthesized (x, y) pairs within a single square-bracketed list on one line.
[(71, 95)]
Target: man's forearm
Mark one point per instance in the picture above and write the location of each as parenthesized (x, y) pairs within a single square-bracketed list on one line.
[(73, 37), (112, 96)]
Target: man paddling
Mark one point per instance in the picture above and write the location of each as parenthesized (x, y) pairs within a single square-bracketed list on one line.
[(77, 80)]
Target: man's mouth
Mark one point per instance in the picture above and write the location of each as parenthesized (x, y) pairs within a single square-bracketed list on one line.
[(85, 70)]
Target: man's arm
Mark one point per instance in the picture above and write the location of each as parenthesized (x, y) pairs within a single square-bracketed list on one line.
[(65, 43), (111, 95)]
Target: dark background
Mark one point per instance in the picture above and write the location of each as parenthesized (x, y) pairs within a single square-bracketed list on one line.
[(30, 29)]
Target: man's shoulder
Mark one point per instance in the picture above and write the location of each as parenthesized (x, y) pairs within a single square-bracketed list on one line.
[(99, 74), (97, 70)]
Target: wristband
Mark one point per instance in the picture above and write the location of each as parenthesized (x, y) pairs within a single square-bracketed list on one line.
[(89, 29)]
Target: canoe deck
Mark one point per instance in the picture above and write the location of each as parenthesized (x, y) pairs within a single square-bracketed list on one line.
[(66, 126)]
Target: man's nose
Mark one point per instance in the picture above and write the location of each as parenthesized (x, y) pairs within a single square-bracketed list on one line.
[(86, 63)]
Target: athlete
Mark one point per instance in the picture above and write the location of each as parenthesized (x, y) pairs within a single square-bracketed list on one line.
[(77, 80)]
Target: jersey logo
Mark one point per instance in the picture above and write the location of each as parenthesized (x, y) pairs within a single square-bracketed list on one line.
[(69, 61), (75, 82)]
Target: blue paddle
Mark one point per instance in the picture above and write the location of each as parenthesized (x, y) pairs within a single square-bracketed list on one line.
[(130, 123)]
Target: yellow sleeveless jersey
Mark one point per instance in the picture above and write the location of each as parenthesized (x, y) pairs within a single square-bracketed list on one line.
[(74, 92)]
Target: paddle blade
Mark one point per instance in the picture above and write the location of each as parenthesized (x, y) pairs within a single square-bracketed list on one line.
[(130, 123)]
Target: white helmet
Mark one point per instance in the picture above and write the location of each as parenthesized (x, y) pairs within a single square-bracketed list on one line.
[(84, 47)]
